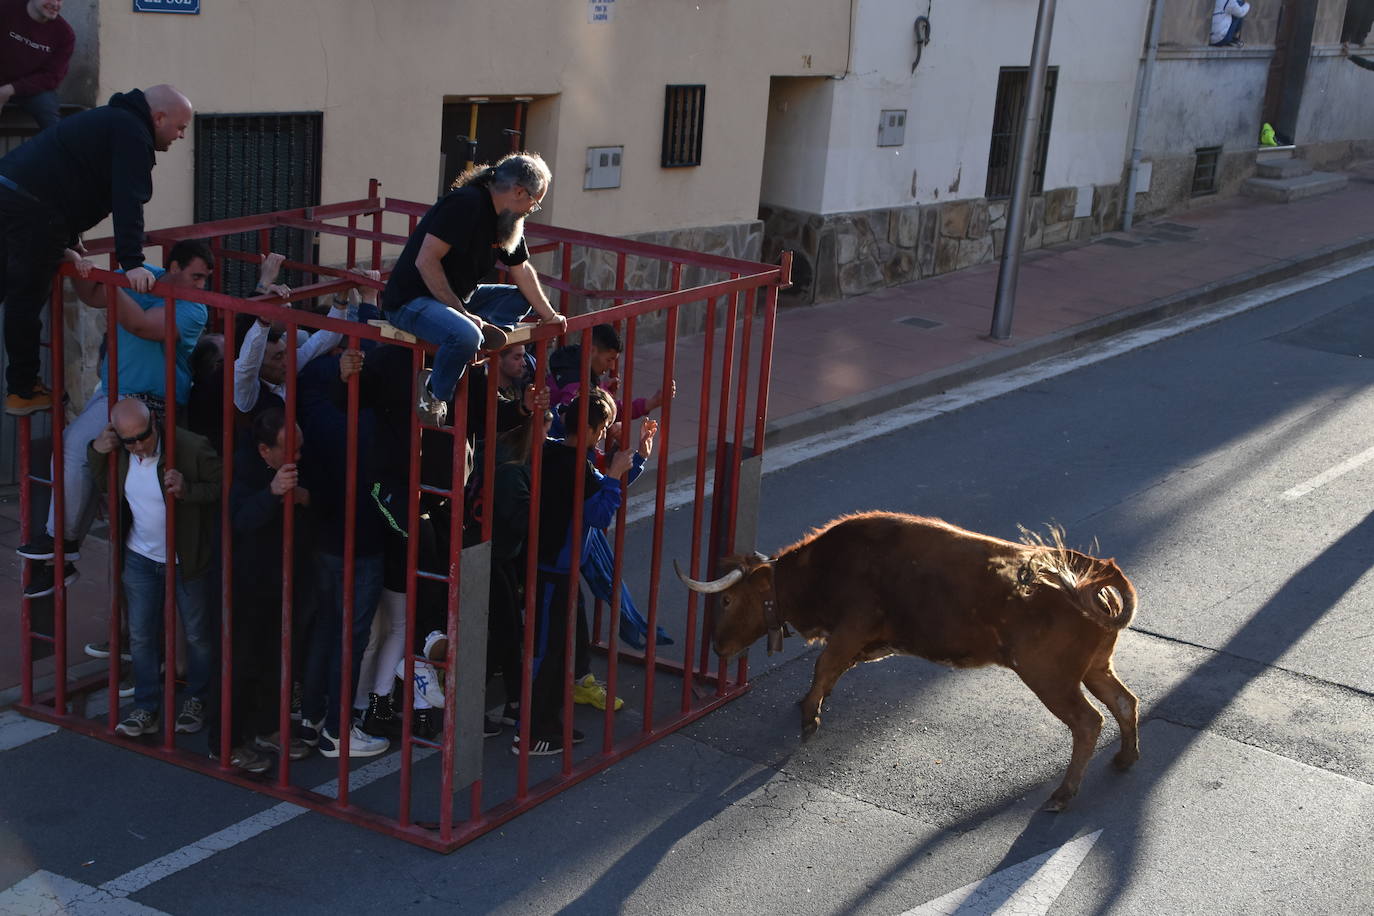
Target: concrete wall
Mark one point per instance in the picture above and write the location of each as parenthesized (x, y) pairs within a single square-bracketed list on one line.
[(381, 73), (950, 100), (1330, 111)]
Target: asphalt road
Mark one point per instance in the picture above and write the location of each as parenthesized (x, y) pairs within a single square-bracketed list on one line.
[(1228, 470)]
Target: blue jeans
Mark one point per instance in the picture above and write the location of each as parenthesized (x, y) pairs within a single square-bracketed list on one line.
[(1232, 33), (323, 664), (144, 588), (42, 107), (456, 336)]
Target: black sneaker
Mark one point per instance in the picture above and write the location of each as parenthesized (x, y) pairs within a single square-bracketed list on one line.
[(138, 722), (491, 726), (547, 745), (427, 723), (102, 650), (310, 731), (42, 582), (511, 714), (192, 716), (380, 720), (41, 548)]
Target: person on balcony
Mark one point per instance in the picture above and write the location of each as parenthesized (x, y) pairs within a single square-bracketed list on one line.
[(58, 185), (38, 45), (435, 290), (1227, 17)]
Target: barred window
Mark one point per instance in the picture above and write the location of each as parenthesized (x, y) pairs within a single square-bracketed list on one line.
[(257, 163), (1009, 114), (684, 112), (1205, 170)]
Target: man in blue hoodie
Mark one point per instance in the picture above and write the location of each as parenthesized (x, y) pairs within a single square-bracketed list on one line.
[(58, 185)]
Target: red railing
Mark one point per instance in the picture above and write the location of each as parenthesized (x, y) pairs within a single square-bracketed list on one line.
[(723, 397)]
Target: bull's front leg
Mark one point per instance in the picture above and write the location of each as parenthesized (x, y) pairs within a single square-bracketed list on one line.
[(840, 654)]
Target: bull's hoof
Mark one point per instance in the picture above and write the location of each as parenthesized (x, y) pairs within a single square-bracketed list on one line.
[(1123, 760), (1058, 801), (809, 728)]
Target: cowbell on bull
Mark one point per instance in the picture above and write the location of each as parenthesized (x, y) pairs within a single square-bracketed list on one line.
[(881, 583)]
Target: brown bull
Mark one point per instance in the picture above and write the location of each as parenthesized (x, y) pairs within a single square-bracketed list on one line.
[(881, 583)]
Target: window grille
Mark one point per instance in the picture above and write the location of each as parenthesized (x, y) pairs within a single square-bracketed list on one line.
[(1008, 117), (257, 163), (1205, 170), (684, 112)]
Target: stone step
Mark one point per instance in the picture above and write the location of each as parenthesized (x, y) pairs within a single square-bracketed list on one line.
[(1284, 190), (1270, 153), (1283, 168)]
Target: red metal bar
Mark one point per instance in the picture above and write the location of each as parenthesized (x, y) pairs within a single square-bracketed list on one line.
[(618, 564), (699, 501), (522, 774), (412, 564), (286, 679), (455, 573), (57, 365), (349, 576), (226, 676), (376, 238), (169, 452), (24, 430), (660, 497), (575, 548), (115, 514), (374, 191), (716, 549)]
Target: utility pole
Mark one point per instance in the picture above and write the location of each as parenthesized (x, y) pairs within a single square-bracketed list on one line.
[(1020, 188)]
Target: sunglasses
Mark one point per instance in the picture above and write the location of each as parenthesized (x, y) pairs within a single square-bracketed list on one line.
[(130, 440)]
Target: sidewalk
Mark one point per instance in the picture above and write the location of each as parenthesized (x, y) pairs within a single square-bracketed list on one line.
[(839, 363)]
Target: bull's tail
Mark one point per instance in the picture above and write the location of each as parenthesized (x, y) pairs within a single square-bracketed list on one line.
[(1098, 588)]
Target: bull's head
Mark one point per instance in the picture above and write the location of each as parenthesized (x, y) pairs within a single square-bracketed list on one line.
[(747, 607)]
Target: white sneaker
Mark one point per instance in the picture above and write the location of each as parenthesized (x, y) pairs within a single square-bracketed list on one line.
[(428, 693), (360, 744)]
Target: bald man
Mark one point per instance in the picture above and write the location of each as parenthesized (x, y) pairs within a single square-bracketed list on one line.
[(58, 185), (146, 482)]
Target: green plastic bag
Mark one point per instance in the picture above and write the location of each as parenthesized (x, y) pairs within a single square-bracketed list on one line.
[(1267, 135)]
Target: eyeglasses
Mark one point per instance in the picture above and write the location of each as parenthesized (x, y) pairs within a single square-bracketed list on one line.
[(130, 440), (537, 205)]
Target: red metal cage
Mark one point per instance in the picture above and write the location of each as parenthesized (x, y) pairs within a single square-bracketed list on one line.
[(442, 793)]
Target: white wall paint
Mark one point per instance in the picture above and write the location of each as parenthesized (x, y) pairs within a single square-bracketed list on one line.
[(950, 98)]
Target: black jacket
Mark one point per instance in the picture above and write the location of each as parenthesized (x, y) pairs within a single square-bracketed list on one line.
[(91, 165)]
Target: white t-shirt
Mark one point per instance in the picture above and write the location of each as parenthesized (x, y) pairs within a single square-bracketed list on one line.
[(1222, 14), (148, 534)]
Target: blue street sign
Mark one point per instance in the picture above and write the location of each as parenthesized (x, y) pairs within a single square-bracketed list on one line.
[(167, 6)]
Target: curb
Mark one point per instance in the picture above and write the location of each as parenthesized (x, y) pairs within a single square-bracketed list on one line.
[(847, 411), (44, 683), (829, 417)]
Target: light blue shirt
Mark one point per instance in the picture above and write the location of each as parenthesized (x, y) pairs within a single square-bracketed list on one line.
[(141, 368)]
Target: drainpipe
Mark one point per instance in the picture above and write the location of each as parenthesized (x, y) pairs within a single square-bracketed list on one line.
[(1021, 179), (1141, 110)]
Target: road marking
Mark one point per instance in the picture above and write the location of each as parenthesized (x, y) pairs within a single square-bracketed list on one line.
[(1027, 889), (683, 493), (1328, 475), (16, 729), (43, 892), (46, 894)]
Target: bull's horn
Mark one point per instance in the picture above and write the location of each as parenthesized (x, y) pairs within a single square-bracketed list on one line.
[(719, 585), (762, 558)]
